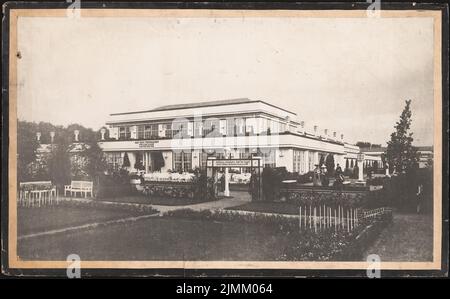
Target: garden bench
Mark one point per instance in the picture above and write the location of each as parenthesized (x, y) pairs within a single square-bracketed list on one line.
[(79, 186)]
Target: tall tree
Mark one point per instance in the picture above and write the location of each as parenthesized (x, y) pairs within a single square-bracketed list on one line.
[(26, 148), (400, 152), (59, 164), (329, 163)]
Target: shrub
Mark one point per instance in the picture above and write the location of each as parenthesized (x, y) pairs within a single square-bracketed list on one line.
[(114, 185)]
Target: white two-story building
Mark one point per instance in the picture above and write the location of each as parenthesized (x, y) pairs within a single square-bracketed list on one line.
[(182, 137)]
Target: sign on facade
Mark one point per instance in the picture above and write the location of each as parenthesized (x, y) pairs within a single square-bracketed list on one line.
[(231, 163), (146, 143)]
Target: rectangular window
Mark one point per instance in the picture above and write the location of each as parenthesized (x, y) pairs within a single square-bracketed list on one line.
[(147, 131), (114, 160), (182, 161), (250, 125), (198, 129), (177, 161), (140, 132), (187, 161), (231, 127), (151, 131), (296, 161), (240, 126), (311, 161), (211, 128), (275, 128), (180, 130), (168, 130)]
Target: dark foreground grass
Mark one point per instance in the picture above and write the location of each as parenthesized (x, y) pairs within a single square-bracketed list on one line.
[(160, 239), (34, 220), (268, 207)]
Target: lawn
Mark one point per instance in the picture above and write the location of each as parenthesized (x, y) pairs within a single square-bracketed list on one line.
[(161, 239), (153, 200), (268, 207), (33, 220)]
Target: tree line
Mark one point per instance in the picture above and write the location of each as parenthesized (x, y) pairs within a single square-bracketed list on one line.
[(58, 163)]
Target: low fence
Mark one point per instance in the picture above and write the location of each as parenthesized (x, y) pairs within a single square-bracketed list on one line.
[(320, 218), (37, 194)]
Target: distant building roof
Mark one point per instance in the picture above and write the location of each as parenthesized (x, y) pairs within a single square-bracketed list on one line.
[(373, 149), (425, 148), (204, 104), (383, 149)]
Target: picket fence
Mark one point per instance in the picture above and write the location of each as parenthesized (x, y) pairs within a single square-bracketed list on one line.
[(37, 198), (320, 218)]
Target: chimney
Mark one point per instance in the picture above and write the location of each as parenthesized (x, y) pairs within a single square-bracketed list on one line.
[(76, 132), (103, 131), (38, 136), (342, 137), (52, 136), (334, 134), (315, 130), (302, 124), (326, 132)]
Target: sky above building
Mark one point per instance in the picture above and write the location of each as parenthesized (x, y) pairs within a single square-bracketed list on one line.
[(350, 75)]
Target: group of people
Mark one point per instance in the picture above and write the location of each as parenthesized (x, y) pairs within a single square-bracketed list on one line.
[(322, 178)]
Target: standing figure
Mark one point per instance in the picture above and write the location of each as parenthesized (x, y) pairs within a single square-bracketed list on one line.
[(316, 176), (339, 177), (419, 198), (324, 175)]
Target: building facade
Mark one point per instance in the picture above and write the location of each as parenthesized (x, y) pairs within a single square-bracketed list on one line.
[(180, 138), (425, 154)]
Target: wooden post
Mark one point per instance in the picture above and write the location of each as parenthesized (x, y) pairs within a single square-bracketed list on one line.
[(320, 217), (348, 221), (305, 217), (351, 219), (340, 218), (315, 220), (335, 221), (329, 219), (300, 218), (310, 217)]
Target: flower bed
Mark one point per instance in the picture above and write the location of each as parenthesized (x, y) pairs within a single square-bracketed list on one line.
[(330, 197), (169, 189), (303, 245), (169, 177)]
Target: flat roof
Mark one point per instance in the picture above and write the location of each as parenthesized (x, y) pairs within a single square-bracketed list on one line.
[(204, 104)]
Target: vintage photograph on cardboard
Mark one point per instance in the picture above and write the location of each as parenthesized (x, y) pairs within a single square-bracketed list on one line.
[(224, 138)]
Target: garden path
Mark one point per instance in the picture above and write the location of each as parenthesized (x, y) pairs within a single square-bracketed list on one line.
[(239, 198)]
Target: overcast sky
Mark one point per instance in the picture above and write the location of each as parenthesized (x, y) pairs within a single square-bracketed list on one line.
[(347, 75)]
